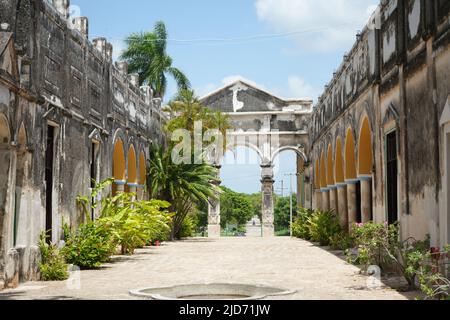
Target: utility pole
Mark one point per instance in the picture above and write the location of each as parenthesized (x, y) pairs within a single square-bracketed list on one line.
[(290, 175)]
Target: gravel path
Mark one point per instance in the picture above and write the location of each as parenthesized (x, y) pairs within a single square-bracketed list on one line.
[(281, 262)]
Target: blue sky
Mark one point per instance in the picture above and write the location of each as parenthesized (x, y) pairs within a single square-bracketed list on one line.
[(288, 47)]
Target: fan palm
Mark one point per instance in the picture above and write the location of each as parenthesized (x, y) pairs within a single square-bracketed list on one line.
[(146, 55), (185, 186)]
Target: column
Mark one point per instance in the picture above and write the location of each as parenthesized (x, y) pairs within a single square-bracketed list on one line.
[(342, 205), (267, 201), (318, 198), (351, 201), (334, 199), (133, 190), (214, 229), (366, 198), (120, 185), (325, 199)]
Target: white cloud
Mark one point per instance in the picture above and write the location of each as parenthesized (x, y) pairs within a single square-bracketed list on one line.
[(299, 88), (118, 47), (328, 25), (296, 88)]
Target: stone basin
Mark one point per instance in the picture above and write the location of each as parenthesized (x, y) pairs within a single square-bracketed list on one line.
[(213, 291)]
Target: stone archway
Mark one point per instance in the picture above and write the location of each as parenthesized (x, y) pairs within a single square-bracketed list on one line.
[(269, 125), (132, 178)]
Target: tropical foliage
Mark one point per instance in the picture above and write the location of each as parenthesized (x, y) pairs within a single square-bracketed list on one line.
[(123, 222), (184, 186), (282, 212), (53, 266), (236, 208), (146, 55)]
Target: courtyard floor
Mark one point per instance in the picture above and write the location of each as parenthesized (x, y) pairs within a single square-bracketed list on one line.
[(293, 264)]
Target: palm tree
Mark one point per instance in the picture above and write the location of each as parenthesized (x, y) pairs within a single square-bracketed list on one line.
[(146, 55), (184, 186)]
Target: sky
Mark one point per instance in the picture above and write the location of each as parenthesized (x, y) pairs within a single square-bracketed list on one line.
[(288, 47)]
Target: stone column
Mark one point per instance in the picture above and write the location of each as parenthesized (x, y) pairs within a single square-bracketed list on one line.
[(366, 198), (133, 189), (334, 199), (342, 205), (120, 185), (325, 199), (351, 202), (267, 201), (214, 229), (318, 197)]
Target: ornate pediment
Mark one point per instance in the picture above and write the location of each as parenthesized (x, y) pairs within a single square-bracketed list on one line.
[(245, 96)]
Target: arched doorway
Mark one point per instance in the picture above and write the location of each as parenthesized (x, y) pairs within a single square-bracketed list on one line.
[(119, 167), (365, 168), (353, 184), (132, 171), (323, 183), (142, 176), (289, 188), (240, 209), (5, 157)]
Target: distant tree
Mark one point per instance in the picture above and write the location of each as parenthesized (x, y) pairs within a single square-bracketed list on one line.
[(235, 208), (146, 55), (282, 212)]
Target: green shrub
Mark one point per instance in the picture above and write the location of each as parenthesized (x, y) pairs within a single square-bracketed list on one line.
[(89, 246), (187, 228), (134, 224), (300, 227), (53, 266), (432, 275), (342, 241), (323, 226)]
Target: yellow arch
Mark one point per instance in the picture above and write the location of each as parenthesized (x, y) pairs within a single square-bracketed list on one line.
[(142, 169), (132, 167), (317, 175), (119, 161), (323, 171), (339, 163), (4, 130), (365, 158), (330, 169), (350, 159)]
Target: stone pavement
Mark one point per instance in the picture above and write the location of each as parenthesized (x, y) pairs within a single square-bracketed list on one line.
[(281, 262)]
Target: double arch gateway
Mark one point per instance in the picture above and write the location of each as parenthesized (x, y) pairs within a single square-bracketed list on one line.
[(343, 176), (268, 125)]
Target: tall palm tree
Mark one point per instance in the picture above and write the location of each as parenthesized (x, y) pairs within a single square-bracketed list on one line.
[(184, 186), (146, 55)]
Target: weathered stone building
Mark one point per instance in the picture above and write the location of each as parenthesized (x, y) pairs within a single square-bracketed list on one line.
[(67, 115), (380, 132)]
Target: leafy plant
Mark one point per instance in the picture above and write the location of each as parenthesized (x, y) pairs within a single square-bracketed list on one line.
[(433, 275), (89, 246), (300, 227), (323, 226), (53, 266)]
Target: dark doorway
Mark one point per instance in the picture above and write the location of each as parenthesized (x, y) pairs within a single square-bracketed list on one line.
[(94, 178), (358, 203), (49, 163), (391, 172)]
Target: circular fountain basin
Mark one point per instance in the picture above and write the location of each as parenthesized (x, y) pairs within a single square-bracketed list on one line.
[(214, 291)]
